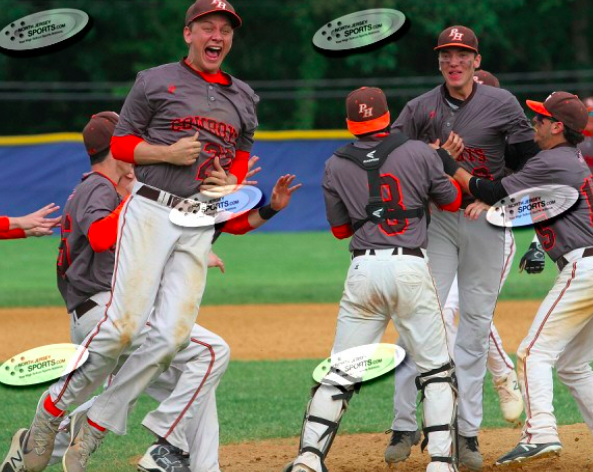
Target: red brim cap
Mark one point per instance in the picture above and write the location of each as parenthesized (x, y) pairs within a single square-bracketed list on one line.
[(235, 20), (456, 45), (538, 107), (365, 127)]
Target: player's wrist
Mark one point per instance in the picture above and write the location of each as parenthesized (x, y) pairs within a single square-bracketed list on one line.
[(266, 212)]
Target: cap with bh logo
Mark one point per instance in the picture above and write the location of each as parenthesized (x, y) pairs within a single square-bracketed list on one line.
[(367, 111), (458, 36)]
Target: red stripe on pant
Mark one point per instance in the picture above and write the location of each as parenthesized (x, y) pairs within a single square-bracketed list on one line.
[(98, 328), (184, 411), (499, 349), (527, 403)]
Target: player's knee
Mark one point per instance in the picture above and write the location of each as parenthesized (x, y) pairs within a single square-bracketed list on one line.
[(222, 352), (570, 374)]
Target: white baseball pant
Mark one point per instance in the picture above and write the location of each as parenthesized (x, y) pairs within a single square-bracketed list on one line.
[(560, 336), (187, 415), (160, 265)]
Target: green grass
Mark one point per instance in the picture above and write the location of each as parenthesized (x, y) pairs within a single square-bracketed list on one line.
[(261, 268), (257, 400)]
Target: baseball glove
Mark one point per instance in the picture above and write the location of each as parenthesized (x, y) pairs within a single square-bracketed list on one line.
[(534, 259)]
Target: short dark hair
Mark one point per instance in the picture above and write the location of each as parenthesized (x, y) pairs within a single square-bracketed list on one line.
[(573, 137), (99, 157)]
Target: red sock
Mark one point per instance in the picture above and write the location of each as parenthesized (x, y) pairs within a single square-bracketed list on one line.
[(95, 425), (52, 409)]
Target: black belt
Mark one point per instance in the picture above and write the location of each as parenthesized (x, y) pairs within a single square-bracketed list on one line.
[(562, 262), (160, 196), (406, 251), (84, 308)]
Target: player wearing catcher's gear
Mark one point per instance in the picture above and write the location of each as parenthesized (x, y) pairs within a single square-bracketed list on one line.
[(388, 278), (562, 328), (491, 125), (34, 224), (166, 111)]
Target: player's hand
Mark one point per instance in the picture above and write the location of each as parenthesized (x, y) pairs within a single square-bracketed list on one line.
[(185, 151), (534, 259), (38, 231), (218, 183), (38, 219), (475, 209), (282, 192), (251, 171), (215, 261), (454, 145)]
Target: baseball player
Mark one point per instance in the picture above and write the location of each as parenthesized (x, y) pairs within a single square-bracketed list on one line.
[(34, 224), (491, 124), (562, 328), (586, 147), (388, 277), (499, 364), (184, 125)]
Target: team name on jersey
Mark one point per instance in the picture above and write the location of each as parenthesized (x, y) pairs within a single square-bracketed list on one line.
[(224, 131)]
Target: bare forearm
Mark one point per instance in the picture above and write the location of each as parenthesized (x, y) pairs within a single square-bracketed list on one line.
[(145, 153)]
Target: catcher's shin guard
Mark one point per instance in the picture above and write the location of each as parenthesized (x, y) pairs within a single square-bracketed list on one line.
[(439, 398), (322, 418)]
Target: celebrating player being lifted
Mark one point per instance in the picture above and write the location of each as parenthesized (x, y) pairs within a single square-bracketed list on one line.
[(489, 120), (388, 277)]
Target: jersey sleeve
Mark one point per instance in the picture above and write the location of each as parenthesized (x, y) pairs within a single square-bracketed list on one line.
[(441, 190), (245, 141), (516, 126), (336, 211), (4, 223), (98, 203), (137, 111), (405, 122), (534, 174)]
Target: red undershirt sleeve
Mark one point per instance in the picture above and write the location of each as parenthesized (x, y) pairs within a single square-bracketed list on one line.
[(4, 223), (239, 165), (13, 234), (238, 225), (103, 233), (122, 147), (343, 231), (455, 204)]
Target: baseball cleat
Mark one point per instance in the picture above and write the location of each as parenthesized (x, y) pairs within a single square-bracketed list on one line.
[(164, 458), (400, 445), (82, 445), (14, 460), (301, 468), (525, 452), (38, 442), (509, 396), (469, 453)]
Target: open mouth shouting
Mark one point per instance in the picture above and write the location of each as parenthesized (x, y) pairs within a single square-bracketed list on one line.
[(213, 53)]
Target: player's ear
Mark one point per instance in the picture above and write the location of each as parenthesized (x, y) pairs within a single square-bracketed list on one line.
[(187, 35), (477, 61)]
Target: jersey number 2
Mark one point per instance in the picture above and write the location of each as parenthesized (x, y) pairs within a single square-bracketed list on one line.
[(391, 193)]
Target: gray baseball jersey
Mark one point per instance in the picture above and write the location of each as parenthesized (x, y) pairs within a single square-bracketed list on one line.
[(586, 148), (81, 271), (173, 101), (561, 165), (411, 174), (483, 120)]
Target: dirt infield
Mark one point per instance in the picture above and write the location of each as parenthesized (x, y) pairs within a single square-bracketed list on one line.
[(254, 332), (257, 332)]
